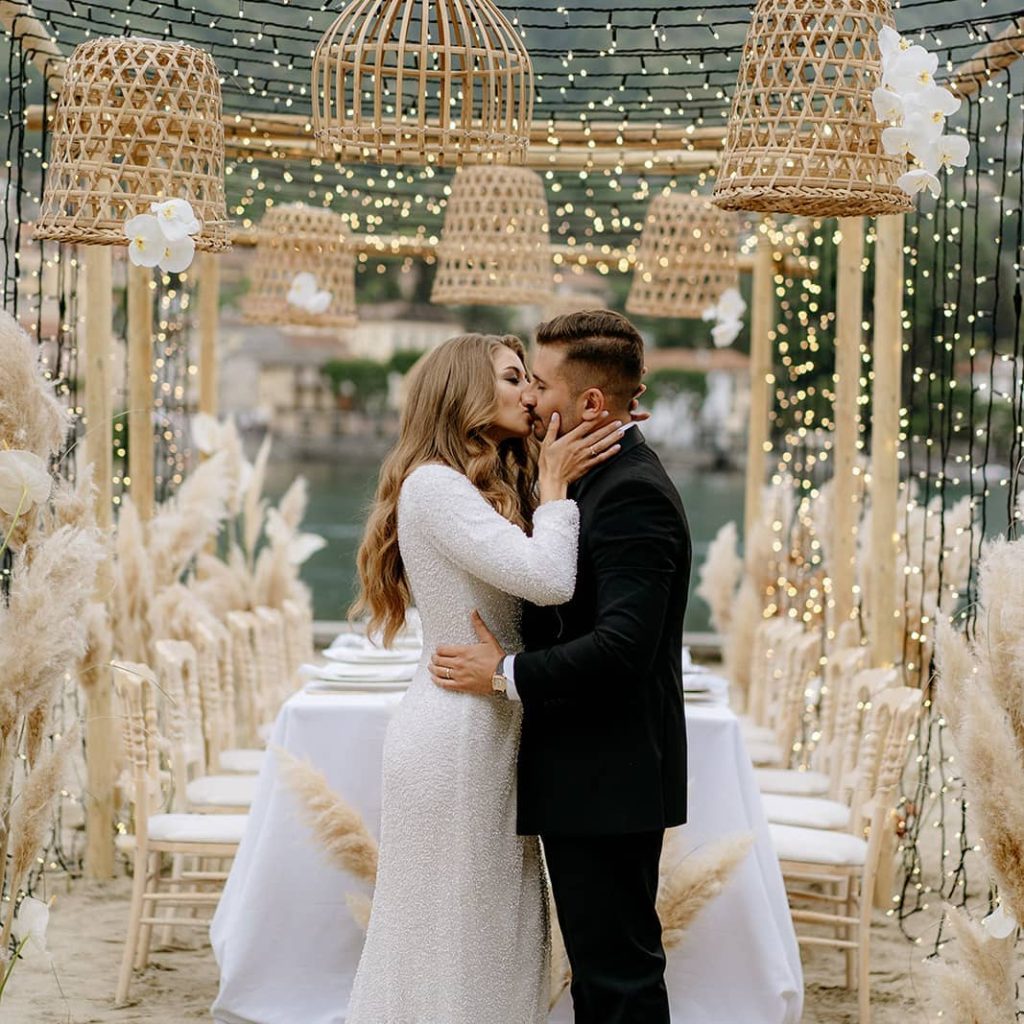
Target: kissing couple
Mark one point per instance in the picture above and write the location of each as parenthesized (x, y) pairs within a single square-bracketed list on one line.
[(548, 554)]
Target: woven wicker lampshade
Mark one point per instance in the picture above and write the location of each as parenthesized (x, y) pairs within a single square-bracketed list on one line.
[(137, 121), (803, 137), (296, 239), (494, 250), (687, 257), (422, 81), (561, 303)]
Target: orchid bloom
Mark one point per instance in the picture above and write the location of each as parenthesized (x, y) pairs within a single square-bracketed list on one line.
[(177, 255), (725, 332), (24, 481), (891, 44), (146, 241), (917, 180), (304, 294), (176, 218), (952, 150), (903, 141), (911, 71), (928, 109), (888, 105), (731, 305)]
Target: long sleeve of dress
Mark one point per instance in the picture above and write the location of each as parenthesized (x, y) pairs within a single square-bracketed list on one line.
[(467, 530)]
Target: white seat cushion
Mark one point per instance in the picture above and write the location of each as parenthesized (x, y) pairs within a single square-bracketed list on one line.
[(760, 733), (197, 828), (248, 761), (816, 846), (791, 781), (222, 791), (765, 752), (806, 811)]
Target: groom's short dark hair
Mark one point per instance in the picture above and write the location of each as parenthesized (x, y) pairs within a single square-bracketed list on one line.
[(602, 350)]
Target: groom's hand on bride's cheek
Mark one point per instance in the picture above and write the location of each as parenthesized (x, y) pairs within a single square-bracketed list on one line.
[(468, 668)]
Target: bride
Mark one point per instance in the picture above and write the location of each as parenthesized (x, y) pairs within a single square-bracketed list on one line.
[(466, 517)]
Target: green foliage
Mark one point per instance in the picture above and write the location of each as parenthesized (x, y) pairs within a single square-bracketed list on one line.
[(662, 383), (402, 362), (360, 379)]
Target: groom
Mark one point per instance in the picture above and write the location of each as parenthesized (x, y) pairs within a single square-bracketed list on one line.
[(602, 759)]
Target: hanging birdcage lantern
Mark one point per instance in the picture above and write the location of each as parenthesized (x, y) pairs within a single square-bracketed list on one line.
[(803, 137)]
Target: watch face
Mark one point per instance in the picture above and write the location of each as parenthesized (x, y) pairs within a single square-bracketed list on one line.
[(499, 684)]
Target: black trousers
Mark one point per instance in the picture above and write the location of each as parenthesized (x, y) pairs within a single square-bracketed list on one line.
[(605, 889)]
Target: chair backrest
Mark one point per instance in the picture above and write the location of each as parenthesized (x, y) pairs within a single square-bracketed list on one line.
[(135, 683), (271, 660), (800, 664), (215, 734), (298, 621), (767, 668), (853, 719), (241, 626), (843, 665), (179, 714), (892, 726)]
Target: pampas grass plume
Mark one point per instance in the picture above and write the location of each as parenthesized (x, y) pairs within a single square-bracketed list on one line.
[(697, 879), (719, 576), (337, 827)]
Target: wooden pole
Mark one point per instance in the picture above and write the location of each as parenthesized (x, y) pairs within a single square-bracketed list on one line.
[(996, 55), (140, 390), (762, 325), (100, 744), (846, 413), (209, 313), (885, 612)]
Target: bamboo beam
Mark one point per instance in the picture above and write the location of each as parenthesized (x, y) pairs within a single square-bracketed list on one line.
[(100, 744), (16, 16), (762, 321), (140, 390), (885, 612), (209, 315), (849, 331), (1000, 53)]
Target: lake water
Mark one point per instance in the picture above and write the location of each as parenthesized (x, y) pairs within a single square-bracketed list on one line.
[(341, 490)]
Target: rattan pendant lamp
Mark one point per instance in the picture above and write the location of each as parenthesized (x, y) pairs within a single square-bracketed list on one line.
[(686, 259), (803, 137), (446, 82), (494, 249), (298, 239), (137, 121)]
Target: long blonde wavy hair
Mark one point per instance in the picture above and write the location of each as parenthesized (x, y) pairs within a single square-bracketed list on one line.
[(452, 399)]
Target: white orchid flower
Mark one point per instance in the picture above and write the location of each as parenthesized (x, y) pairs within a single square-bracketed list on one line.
[(731, 305), (926, 111), (207, 433), (891, 44), (176, 218), (888, 105), (951, 151), (29, 927), (999, 924), (318, 302), (917, 180), (725, 332), (303, 288), (146, 241), (911, 71), (903, 141), (177, 255), (24, 481)]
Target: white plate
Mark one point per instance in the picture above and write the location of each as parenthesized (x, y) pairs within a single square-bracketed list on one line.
[(371, 656), (337, 686), (339, 671)]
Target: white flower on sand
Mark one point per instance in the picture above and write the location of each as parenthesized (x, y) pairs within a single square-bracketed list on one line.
[(927, 110), (888, 105), (917, 180), (299, 546), (999, 924), (910, 71), (146, 241), (176, 218), (30, 926), (305, 294), (24, 481)]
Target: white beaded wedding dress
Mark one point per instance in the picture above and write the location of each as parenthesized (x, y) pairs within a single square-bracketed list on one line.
[(459, 928)]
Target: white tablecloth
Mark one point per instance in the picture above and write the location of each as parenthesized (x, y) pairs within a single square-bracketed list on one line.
[(288, 947)]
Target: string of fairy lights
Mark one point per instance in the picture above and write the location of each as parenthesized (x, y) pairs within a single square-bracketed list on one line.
[(963, 436)]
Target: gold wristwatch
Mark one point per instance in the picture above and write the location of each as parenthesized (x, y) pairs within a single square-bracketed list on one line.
[(499, 682)]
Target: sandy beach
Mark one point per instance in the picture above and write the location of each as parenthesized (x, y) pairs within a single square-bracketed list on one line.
[(87, 928)]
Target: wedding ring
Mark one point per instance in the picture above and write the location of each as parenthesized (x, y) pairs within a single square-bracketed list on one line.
[(449, 671), (593, 454)]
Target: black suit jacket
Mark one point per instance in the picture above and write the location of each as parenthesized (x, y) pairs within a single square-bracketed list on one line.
[(603, 748)]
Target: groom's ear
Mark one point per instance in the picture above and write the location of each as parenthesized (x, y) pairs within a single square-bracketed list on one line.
[(592, 404)]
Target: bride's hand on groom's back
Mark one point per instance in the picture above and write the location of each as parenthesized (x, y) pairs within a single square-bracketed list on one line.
[(563, 460)]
